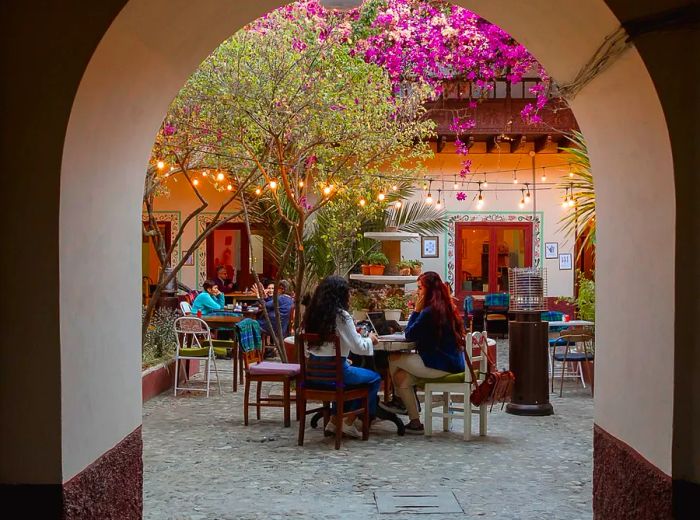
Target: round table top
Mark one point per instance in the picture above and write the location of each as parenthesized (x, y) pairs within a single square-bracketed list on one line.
[(571, 323), (394, 346)]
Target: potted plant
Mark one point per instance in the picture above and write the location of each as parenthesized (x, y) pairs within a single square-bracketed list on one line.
[(585, 305), (395, 305), (404, 267), (364, 265), (416, 267), (377, 263), (359, 304)]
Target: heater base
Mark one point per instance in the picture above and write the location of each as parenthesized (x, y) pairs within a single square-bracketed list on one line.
[(529, 409)]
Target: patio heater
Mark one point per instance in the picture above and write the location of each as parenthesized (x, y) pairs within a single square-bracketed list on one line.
[(528, 336)]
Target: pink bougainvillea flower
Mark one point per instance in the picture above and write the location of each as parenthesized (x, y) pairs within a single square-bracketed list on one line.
[(461, 196)]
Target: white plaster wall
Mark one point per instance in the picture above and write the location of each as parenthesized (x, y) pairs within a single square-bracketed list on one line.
[(146, 56)]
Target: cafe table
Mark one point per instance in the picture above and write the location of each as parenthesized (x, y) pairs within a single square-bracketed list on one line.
[(240, 296), (571, 323)]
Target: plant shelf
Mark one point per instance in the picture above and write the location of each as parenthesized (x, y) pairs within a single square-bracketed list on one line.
[(383, 236), (384, 279)]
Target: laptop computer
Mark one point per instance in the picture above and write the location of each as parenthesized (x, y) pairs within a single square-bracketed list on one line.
[(382, 326)]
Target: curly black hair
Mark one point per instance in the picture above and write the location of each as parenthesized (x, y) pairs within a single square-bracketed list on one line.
[(332, 296)]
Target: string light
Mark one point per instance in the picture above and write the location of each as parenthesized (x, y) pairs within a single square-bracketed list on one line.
[(429, 198), (381, 196), (205, 173), (480, 200), (220, 176), (455, 185), (571, 195), (486, 183), (438, 205), (327, 190), (544, 174), (195, 182), (301, 184), (172, 168), (258, 191), (363, 202), (229, 187), (527, 194), (160, 165), (515, 177), (273, 184), (571, 173), (522, 199), (394, 187), (397, 204)]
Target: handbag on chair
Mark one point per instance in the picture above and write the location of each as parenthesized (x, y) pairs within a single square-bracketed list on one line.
[(497, 387)]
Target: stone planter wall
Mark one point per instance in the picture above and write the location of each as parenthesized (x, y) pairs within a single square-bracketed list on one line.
[(159, 378)]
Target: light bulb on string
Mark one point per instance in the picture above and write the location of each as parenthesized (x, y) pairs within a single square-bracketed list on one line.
[(301, 184), (398, 204), (527, 193), (438, 205), (515, 177), (486, 183), (258, 191), (571, 172), (195, 182), (273, 184), (172, 168), (205, 173), (363, 202), (480, 200), (522, 199), (229, 187), (394, 187), (327, 190), (571, 195), (220, 176), (429, 198), (160, 165), (381, 196), (544, 174), (455, 185)]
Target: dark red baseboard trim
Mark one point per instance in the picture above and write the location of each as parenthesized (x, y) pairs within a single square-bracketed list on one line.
[(625, 484), (110, 488)]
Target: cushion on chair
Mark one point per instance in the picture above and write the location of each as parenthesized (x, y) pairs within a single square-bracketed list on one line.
[(202, 352), (497, 300), (274, 368), (557, 342), (492, 317), (449, 378), (573, 356)]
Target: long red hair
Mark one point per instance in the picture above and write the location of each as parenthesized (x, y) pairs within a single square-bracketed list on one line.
[(443, 309)]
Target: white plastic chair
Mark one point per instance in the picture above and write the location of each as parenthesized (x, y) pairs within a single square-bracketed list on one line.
[(452, 410), (186, 308), (194, 343)]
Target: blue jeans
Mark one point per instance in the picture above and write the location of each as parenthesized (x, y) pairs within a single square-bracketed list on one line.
[(353, 375)]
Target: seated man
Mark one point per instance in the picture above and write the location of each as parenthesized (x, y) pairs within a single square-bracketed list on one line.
[(284, 302), (222, 282), (209, 301)]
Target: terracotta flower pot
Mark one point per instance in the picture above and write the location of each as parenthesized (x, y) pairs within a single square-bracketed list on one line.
[(415, 271), (365, 268), (405, 271), (376, 270)]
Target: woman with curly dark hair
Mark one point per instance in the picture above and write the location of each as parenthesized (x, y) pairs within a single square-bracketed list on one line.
[(327, 314), (436, 328)]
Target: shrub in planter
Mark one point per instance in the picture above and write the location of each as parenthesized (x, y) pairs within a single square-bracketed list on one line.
[(159, 341), (404, 267), (416, 267), (377, 263), (395, 305)]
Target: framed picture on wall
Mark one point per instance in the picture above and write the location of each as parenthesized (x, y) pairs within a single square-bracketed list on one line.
[(429, 247), (565, 261), (189, 260), (551, 249)]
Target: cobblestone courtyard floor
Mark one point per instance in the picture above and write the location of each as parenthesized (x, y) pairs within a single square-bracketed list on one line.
[(200, 462)]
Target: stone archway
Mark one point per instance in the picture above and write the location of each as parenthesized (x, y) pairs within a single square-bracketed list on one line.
[(100, 137)]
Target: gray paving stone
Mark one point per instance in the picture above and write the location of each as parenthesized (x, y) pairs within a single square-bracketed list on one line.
[(200, 462)]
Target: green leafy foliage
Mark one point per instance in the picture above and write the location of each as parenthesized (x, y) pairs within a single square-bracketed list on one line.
[(585, 301), (159, 342)]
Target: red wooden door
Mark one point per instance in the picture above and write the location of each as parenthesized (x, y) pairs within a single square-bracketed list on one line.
[(485, 251)]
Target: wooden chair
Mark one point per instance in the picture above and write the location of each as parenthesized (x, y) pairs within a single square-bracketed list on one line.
[(458, 384), (326, 385), (571, 338), (260, 371)]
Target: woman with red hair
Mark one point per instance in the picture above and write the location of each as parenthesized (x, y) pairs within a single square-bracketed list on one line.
[(437, 330)]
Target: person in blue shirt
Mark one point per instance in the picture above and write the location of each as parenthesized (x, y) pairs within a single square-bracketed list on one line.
[(437, 330), (284, 301), (211, 299)]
